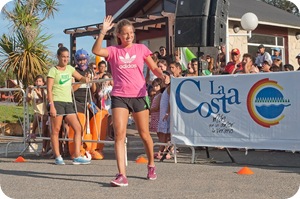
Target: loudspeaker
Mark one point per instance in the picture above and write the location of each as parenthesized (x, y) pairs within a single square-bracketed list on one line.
[(191, 31), (187, 8), (216, 31), (203, 26), (219, 8)]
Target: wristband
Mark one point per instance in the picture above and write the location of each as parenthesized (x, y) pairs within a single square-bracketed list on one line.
[(102, 33)]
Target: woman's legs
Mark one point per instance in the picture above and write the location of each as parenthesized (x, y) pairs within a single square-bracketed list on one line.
[(120, 119), (110, 129), (142, 124), (73, 121), (55, 128)]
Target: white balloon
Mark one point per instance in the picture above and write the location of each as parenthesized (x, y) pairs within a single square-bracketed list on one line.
[(249, 21)]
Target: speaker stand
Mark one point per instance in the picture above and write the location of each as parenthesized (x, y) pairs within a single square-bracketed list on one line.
[(199, 54)]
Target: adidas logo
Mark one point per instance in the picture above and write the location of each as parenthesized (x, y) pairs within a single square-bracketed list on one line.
[(127, 59)]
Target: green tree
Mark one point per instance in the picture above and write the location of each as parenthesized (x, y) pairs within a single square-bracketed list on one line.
[(24, 57), (4, 76), (284, 5), (24, 49)]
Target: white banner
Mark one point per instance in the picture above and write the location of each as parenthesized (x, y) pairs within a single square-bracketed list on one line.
[(255, 111)]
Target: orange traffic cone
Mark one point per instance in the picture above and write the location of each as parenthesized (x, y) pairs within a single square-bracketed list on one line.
[(245, 171), (20, 159), (141, 160)]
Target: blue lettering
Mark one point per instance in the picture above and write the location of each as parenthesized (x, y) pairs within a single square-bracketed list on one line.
[(214, 103), (206, 109), (217, 104), (235, 98), (220, 91), (178, 98)]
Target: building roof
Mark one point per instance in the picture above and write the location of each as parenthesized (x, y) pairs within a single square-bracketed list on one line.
[(140, 23), (266, 14)]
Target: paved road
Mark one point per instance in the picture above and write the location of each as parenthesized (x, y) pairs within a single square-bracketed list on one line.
[(276, 175)]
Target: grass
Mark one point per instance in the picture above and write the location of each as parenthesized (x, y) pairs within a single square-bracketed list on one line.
[(12, 113)]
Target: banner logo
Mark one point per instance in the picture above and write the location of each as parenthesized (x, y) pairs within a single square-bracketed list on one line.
[(266, 103)]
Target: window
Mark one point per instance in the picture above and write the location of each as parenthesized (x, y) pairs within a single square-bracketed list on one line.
[(268, 41)]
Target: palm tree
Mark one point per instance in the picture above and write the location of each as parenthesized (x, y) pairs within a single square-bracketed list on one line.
[(26, 58), (24, 51)]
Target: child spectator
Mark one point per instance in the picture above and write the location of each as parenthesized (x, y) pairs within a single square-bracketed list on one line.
[(193, 68), (104, 95), (39, 97), (152, 93), (154, 111), (288, 67), (211, 66), (162, 64), (164, 119), (276, 66)]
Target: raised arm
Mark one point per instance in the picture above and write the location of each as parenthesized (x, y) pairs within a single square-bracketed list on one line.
[(97, 47)]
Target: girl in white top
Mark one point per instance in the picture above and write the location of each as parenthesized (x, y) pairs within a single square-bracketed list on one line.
[(164, 118)]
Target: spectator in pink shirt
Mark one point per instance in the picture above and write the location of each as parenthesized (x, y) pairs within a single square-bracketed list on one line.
[(129, 93)]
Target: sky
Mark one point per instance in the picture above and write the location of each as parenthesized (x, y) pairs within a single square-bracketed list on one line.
[(72, 13)]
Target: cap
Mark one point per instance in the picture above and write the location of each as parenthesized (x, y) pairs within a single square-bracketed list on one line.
[(298, 56), (81, 54), (276, 49), (261, 46), (267, 62), (276, 59), (235, 51)]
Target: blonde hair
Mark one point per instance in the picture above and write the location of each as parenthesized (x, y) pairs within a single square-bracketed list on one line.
[(211, 64), (119, 26)]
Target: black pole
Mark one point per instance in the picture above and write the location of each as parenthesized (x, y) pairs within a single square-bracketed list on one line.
[(199, 62)]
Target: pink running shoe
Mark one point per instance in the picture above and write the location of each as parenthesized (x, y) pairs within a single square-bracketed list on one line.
[(151, 173), (120, 181)]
